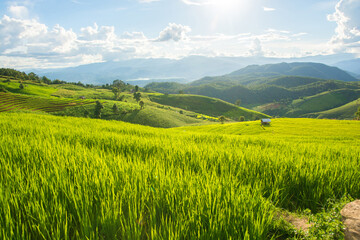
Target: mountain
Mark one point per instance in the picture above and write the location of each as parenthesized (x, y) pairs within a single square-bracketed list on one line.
[(274, 90), (352, 66), (144, 71), (190, 68), (255, 73)]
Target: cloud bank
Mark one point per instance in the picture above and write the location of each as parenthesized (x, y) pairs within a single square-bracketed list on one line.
[(347, 32), (28, 43)]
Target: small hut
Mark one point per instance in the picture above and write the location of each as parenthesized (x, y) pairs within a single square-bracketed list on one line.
[(265, 121)]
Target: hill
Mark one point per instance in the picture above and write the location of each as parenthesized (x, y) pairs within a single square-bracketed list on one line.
[(78, 178), (344, 112), (206, 105), (310, 69), (78, 100), (265, 89), (352, 66), (255, 74)]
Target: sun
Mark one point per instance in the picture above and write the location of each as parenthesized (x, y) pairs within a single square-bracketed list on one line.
[(228, 5)]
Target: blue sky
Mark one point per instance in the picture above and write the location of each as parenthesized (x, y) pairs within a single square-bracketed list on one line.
[(57, 33)]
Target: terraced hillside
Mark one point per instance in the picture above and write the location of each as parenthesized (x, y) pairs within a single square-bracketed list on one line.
[(206, 105), (77, 178), (10, 101)]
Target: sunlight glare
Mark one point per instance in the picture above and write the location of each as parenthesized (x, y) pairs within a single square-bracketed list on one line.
[(228, 5)]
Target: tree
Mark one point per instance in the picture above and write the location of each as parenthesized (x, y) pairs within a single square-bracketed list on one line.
[(118, 87), (98, 108), (222, 119), (241, 118), (137, 96), (141, 103), (115, 108), (46, 80), (181, 92), (136, 88), (357, 114), (86, 113), (21, 86), (238, 102)]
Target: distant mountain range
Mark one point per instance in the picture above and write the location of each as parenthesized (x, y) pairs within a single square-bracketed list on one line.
[(144, 71), (284, 89), (352, 66), (256, 74)]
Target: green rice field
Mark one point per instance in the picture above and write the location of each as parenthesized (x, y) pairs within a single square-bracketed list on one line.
[(77, 178), (12, 102)]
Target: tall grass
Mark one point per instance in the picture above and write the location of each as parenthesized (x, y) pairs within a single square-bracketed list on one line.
[(71, 178)]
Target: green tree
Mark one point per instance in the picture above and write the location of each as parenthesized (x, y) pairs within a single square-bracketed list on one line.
[(141, 103), (98, 108), (241, 118), (21, 86), (137, 96), (86, 113), (357, 114), (238, 102), (118, 87), (136, 88), (222, 119), (115, 108)]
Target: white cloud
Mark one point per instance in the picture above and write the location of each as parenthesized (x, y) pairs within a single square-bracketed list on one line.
[(347, 32), (174, 32), (256, 48), (133, 35), (19, 12), (104, 33), (267, 9)]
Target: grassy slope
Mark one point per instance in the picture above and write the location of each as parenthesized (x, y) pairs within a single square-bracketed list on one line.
[(323, 101), (206, 105), (30, 88), (346, 111), (130, 112), (40, 98), (262, 94), (297, 128), (76, 178)]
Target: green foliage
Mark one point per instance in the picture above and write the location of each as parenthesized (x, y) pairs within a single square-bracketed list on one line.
[(222, 119), (327, 224), (142, 104), (357, 114), (73, 178), (137, 96), (98, 108), (241, 118), (118, 87), (115, 108)]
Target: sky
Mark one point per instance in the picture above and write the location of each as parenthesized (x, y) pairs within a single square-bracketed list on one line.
[(64, 33)]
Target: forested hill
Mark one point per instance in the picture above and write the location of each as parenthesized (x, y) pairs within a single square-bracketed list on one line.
[(276, 89), (253, 74)]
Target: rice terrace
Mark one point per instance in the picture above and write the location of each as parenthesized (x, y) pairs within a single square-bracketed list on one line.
[(70, 176), (180, 120)]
